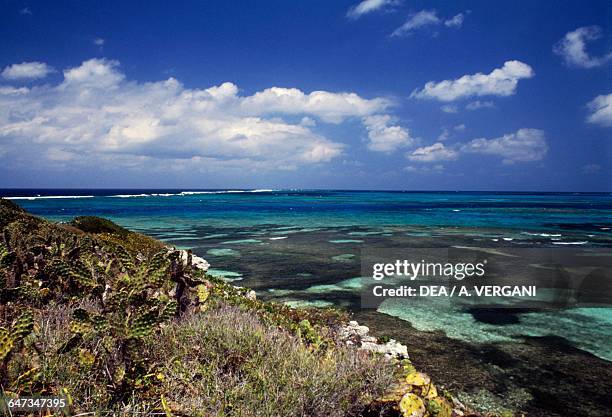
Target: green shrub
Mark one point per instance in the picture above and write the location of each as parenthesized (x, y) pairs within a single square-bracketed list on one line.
[(92, 224)]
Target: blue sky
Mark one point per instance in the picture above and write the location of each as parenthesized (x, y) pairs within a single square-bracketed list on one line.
[(377, 94)]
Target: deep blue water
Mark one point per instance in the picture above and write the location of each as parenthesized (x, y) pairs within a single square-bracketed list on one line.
[(590, 212)]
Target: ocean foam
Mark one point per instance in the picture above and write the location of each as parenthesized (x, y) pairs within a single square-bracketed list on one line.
[(241, 242), (49, 197), (584, 242)]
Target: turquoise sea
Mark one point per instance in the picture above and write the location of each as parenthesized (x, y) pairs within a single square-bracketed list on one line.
[(302, 247)]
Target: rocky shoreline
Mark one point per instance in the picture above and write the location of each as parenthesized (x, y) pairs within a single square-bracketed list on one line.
[(540, 377)]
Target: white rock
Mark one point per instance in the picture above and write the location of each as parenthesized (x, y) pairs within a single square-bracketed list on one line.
[(200, 263), (196, 261), (357, 335)]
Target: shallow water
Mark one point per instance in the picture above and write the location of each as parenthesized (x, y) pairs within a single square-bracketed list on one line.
[(306, 245)]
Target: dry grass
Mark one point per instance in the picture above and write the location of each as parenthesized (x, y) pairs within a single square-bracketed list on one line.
[(227, 362), (219, 363)]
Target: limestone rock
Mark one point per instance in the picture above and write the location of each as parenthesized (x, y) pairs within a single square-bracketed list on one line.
[(356, 335), (196, 261)]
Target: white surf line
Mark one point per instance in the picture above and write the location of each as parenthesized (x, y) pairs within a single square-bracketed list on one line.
[(42, 197)]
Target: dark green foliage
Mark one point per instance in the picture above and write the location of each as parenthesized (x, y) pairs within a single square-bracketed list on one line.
[(91, 224)]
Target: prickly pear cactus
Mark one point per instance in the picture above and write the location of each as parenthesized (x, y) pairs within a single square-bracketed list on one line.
[(6, 343), (412, 406), (120, 287)]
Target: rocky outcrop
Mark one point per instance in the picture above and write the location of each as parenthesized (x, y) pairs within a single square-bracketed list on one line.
[(195, 261), (358, 336)]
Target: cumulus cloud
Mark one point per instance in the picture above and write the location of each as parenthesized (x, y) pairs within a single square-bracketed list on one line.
[(525, 145), (385, 137), (601, 110), (26, 70), (99, 115), (329, 107), (369, 6), (572, 48), (99, 42), (434, 153), (499, 82)]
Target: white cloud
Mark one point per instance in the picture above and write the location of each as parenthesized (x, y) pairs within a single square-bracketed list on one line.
[(369, 6), (417, 20), (383, 137), (330, 107), (444, 135), (426, 18), (434, 153), (499, 82), (103, 118), (26, 70), (572, 48), (475, 105), (95, 73), (99, 41), (456, 21), (423, 169), (601, 110), (449, 108), (525, 145), (308, 121), (460, 128), (25, 11)]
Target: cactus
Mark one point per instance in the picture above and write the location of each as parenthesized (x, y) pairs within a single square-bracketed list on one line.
[(22, 327), (412, 406), (143, 325), (6, 343), (129, 295)]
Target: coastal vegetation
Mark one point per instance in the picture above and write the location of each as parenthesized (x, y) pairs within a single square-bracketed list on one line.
[(112, 320)]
